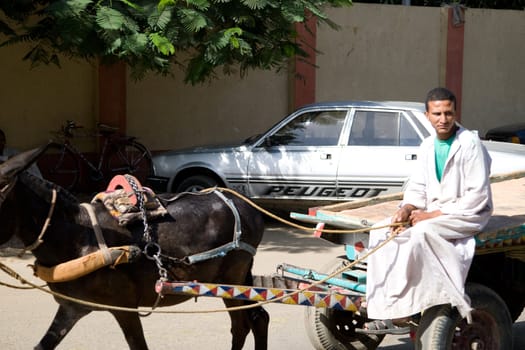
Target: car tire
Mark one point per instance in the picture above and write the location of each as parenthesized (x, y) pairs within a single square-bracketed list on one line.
[(442, 328), (196, 183)]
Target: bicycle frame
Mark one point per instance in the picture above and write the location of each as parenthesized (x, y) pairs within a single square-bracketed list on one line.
[(96, 169), (119, 154)]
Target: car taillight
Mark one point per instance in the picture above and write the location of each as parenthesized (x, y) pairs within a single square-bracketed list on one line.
[(514, 139)]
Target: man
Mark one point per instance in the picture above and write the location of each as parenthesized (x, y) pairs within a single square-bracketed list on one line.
[(447, 201), (7, 152)]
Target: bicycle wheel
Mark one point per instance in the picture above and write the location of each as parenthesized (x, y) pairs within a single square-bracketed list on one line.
[(63, 169), (130, 158)]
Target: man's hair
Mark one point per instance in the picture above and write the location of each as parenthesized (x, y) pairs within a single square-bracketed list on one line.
[(440, 94)]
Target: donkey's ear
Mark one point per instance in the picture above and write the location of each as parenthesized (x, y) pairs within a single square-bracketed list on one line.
[(21, 162)]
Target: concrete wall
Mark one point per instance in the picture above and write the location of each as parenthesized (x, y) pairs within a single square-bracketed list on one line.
[(34, 102), (381, 52), (167, 114), (494, 68)]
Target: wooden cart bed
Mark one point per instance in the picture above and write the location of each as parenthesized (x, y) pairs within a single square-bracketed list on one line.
[(505, 229)]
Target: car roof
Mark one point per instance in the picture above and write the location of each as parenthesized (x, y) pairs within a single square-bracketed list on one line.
[(419, 106)]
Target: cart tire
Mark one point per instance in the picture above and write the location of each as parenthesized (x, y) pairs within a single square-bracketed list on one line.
[(331, 329), (442, 328)]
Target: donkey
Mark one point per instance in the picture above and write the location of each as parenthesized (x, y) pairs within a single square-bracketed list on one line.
[(193, 224)]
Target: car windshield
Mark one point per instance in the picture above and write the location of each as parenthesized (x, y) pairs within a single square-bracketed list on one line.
[(317, 128)]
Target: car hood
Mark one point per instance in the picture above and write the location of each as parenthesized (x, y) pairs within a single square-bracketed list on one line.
[(505, 147), (205, 149), (506, 157), (170, 162)]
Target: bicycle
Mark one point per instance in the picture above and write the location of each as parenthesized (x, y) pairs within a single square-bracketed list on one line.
[(120, 154)]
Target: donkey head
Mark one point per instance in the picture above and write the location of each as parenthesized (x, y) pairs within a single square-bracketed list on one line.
[(14, 166)]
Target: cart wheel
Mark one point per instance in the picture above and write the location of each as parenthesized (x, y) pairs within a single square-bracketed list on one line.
[(442, 328), (331, 329)]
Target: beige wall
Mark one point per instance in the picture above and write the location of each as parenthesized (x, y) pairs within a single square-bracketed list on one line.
[(399, 53), (34, 102), (381, 52), (493, 68), (167, 114)]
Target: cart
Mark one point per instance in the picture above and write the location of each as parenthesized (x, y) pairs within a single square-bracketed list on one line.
[(495, 285)]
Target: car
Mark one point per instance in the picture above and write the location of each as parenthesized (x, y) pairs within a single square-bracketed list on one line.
[(319, 154), (514, 133)]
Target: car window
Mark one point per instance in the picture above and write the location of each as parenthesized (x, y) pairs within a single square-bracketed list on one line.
[(407, 134), (418, 126), (374, 128), (380, 128), (319, 128)]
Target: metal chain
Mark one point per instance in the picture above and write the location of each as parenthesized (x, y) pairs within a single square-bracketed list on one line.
[(140, 198), (151, 250)]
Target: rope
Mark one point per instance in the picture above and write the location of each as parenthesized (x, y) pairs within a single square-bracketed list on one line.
[(13, 286), (39, 240), (293, 224), (151, 310), (15, 275)]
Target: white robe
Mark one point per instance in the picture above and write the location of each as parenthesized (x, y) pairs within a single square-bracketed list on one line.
[(427, 264)]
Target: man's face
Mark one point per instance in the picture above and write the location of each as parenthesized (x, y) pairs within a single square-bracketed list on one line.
[(442, 116)]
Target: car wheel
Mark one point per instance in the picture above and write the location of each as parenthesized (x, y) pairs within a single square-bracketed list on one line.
[(441, 326), (196, 183)]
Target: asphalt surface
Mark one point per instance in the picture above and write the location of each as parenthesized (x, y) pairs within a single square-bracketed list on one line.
[(26, 314)]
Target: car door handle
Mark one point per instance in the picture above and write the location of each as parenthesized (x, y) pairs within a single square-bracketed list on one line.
[(410, 156), (326, 156)]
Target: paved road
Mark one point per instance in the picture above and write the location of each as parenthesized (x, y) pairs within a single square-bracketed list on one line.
[(26, 314)]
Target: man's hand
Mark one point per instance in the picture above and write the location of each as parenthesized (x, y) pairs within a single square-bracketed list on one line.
[(412, 215), (418, 215), (401, 215)]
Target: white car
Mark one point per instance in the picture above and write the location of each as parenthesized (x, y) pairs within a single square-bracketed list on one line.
[(321, 153)]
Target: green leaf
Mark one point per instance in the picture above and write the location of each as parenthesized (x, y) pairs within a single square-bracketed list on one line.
[(235, 36), (132, 5), (244, 48), (255, 4), (159, 19), (77, 6), (165, 3), (199, 4), (136, 43), (193, 20), (234, 42), (130, 24), (162, 44), (289, 50), (115, 45), (109, 19)]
